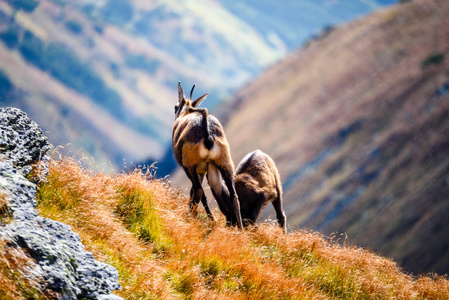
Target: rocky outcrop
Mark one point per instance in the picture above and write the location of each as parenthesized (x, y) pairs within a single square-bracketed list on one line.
[(59, 261)]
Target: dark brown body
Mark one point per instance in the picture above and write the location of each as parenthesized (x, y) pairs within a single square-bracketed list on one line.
[(257, 183), (200, 147)]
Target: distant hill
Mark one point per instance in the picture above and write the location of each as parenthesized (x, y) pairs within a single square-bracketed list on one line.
[(101, 75), (358, 124), (293, 22)]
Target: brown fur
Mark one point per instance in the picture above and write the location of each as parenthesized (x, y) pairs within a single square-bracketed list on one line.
[(257, 183), (201, 148)]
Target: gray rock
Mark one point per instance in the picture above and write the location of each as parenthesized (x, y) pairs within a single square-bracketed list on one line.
[(21, 140), (61, 263), (21, 192), (109, 297)]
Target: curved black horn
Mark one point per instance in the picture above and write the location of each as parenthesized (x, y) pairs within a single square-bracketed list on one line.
[(191, 91)]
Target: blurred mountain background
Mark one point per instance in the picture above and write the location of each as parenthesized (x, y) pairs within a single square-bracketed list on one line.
[(358, 125), (102, 75), (354, 114)]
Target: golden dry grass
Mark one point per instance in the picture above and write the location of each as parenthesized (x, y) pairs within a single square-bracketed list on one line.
[(141, 226), (14, 284)]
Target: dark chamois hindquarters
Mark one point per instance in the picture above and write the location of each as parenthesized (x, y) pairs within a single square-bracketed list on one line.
[(257, 183), (201, 148)]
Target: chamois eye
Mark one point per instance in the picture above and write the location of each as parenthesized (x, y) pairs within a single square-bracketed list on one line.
[(176, 107)]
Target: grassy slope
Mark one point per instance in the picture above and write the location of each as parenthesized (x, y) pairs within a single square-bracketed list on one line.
[(357, 123), (141, 226)]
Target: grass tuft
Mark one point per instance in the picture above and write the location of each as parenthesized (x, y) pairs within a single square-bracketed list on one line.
[(136, 208), (5, 210), (14, 283)]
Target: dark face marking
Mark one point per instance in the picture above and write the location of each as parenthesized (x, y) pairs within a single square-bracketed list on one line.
[(178, 109)]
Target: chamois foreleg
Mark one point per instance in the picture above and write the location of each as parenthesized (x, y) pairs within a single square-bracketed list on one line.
[(203, 201), (280, 214), (197, 193)]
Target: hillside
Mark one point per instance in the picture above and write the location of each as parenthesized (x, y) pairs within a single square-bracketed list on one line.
[(142, 228), (131, 234), (101, 75), (357, 123)]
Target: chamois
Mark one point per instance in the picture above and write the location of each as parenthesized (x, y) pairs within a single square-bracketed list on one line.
[(257, 182), (201, 148)]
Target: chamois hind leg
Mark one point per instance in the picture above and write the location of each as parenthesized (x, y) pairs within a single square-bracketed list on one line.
[(220, 191), (280, 214), (197, 193), (227, 174)]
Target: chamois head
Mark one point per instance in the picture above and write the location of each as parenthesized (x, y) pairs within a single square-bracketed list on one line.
[(184, 104)]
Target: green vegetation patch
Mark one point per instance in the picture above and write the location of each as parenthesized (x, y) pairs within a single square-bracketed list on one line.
[(217, 275), (181, 283), (58, 197), (330, 278), (136, 208), (212, 266)]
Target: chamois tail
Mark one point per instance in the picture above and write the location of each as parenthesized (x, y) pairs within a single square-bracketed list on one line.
[(208, 139)]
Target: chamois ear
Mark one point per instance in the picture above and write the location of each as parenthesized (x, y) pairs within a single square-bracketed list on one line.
[(197, 102), (180, 93)]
